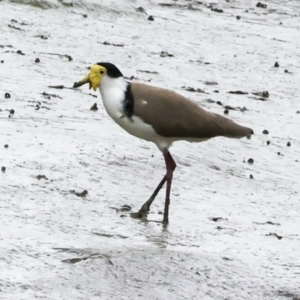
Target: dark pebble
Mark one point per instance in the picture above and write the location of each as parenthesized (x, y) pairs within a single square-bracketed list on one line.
[(251, 176), (219, 103), (6, 146), (165, 54), (265, 131), (276, 65), (288, 144), (39, 177), (238, 17), (125, 208), (217, 10), (2, 61), (141, 9), (268, 142), (286, 71), (238, 92), (94, 107), (226, 111), (216, 219), (7, 95), (150, 18), (265, 94), (20, 52), (262, 5), (298, 112), (278, 153), (276, 235), (37, 60), (250, 161), (3, 169), (85, 16), (12, 111)]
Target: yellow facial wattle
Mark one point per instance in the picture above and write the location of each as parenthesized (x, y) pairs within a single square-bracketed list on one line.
[(93, 78)]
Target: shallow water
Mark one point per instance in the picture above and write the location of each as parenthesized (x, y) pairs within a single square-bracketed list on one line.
[(56, 245)]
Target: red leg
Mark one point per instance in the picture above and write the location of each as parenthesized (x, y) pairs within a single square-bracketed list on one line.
[(171, 166)]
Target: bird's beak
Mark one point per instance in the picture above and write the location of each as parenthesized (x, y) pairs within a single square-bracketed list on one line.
[(93, 78)]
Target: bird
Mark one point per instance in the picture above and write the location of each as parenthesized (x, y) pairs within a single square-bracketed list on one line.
[(157, 115)]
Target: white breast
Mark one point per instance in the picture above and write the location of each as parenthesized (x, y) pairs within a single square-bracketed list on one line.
[(112, 92)]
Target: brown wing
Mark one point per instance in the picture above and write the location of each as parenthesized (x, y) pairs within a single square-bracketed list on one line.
[(172, 115)]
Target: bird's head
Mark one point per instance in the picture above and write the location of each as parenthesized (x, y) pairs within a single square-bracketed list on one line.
[(97, 73)]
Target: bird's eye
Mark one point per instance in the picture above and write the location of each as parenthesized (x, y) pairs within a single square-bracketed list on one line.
[(101, 72)]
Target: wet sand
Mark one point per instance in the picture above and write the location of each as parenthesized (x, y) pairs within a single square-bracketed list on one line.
[(234, 226)]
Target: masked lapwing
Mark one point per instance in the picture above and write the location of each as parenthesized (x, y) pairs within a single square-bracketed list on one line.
[(157, 115)]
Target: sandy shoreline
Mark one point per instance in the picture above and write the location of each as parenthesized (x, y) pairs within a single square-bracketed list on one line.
[(57, 245)]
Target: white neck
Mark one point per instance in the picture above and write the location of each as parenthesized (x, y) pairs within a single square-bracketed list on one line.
[(113, 93)]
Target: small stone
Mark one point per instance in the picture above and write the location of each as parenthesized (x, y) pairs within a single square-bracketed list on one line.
[(165, 54), (85, 15), (251, 176), (20, 52), (141, 9), (238, 17), (250, 161), (39, 177), (265, 131), (276, 65), (7, 95), (274, 234), (288, 144), (265, 94), (125, 208), (3, 169), (150, 18), (226, 111), (217, 10), (298, 112), (2, 61), (219, 103), (37, 60), (278, 153), (287, 71), (6, 146), (268, 142), (12, 111), (94, 107), (216, 219), (261, 5)]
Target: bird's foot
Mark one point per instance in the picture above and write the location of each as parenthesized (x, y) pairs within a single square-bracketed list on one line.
[(142, 213)]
